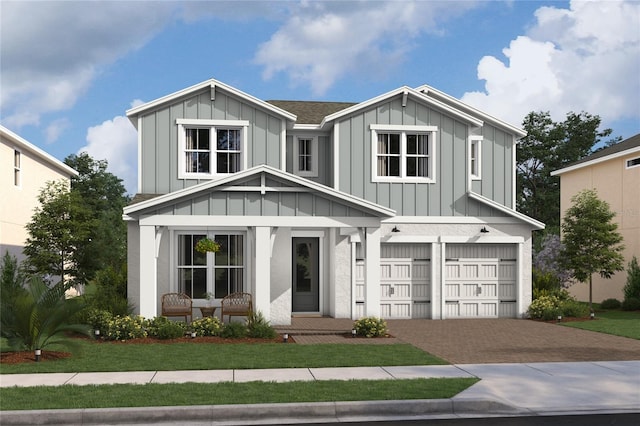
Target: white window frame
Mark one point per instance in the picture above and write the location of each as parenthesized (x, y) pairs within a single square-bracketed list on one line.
[(475, 145), (430, 131), (313, 153), (631, 166), (17, 168), (210, 262), (212, 125)]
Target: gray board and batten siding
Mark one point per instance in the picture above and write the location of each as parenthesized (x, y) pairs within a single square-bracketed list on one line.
[(221, 201), (159, 150), (447, 195)]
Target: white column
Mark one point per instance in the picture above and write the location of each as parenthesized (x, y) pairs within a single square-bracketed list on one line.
[(262, 288), (148, 272), (372, 272), (520, 280), (443, 280)]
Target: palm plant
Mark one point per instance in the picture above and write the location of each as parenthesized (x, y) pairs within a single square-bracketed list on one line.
[(41, 316)]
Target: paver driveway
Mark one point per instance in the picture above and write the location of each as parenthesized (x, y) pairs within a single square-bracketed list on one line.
[(479, 341)]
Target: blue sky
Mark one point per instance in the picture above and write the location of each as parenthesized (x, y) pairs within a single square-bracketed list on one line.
[(70, 71)]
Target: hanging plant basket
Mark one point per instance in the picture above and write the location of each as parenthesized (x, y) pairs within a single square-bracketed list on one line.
[(207, 245)]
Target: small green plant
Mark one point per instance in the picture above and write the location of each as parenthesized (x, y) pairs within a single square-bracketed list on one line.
[(573, 308), (545, 307), (126, 328), (611, 304), (207, 245), (234, 330), (259, 327), (98, 319), (631, 304), (370, 327), (207, 326), (632, 287), (164, 328)]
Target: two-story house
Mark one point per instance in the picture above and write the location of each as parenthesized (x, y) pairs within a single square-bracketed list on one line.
[(614, 172), (25, 169), (402, 206)]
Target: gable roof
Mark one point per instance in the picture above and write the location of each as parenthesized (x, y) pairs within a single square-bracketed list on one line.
[(213, 85), (24, 145), (504, 209), (405, 92), (626, 147), (148, 202), (311, 112), (450, 100)]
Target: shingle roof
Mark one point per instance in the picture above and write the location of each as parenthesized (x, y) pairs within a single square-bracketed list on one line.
[(632, 142), (310, 112)]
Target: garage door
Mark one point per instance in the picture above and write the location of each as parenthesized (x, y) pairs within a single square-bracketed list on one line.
[(405, 290), (481, 281)]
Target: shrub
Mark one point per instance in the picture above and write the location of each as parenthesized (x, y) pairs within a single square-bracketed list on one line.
[(207, 326), (164, 328), (546, 307), (127, 327), (259, 327), (370, 327), (632, 287), (98, 319), (631, 304), (234, 330), (610, 304), (573, 308)]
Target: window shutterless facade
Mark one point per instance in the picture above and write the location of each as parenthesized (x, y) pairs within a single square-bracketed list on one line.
[(17, 168), (404, 153), (634, 162), (219, 273), (211, 147), (305, 156), (475, 157)]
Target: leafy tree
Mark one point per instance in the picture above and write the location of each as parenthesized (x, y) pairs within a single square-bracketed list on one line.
[(632, 287), (57, 230), (104, 196), (591, 240), (11, 279), (40, 316), (547, 264), (550, 146)]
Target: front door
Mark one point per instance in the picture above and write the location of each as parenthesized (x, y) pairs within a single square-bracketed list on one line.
[(305, 274)]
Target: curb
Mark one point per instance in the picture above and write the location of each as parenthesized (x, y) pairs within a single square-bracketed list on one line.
[(258, 413)]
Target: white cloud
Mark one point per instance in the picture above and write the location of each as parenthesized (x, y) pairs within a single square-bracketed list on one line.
[(324, 41), (115, 141), (55, 129), (585, 58)]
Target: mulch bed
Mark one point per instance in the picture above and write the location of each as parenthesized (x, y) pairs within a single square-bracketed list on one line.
[(29, 356)]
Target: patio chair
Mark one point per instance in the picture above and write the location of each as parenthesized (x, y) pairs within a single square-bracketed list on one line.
[(177, 305), (236, 305)]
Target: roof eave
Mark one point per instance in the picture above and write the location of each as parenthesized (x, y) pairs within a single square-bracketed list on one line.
[(596, 161), (536, 224)]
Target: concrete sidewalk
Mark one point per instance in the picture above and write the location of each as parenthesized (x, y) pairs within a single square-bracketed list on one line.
[(505, 389)]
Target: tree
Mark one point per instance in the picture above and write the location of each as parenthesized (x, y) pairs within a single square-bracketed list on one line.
[(58, 228), (550, 146), (104, 196), (591, 240), (632, 286)]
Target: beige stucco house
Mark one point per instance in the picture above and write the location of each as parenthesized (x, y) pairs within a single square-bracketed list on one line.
[(614, 173), (24, 169)]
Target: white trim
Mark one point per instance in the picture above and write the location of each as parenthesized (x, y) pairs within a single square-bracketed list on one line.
[(131, 113), (320, 235), (535, 223), (314, 156), (17, 169), (477, 141), (283, 146), (212, 123), (279, 221), (430, 131), (336, 158), (139, 132), (514, 169), (481, 239), (394, 238), (473, 220), (596, 161)]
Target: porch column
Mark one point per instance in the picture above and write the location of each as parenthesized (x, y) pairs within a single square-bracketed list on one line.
[(372, 272), (262, 287), (148, 272)]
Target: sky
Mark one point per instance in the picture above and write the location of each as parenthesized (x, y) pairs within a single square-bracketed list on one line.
[(70, 70)]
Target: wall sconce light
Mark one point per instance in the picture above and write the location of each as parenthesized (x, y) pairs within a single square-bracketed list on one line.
[(484, 230), (395, 229), (285, 338)]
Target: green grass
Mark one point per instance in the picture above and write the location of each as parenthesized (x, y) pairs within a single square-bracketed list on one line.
[(619, 323), (104, 396), (92, 356)]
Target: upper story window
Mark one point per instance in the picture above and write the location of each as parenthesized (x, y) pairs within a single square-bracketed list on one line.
[(211, 147), (17, 168), (404, 153), (475, 156), (634, 162), (305, 155)]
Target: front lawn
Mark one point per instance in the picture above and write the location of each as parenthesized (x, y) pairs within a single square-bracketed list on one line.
[(113, 356), (149, 395), (619, 323)]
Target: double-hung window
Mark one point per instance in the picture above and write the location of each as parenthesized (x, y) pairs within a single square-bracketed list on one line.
[(475, 157), (305, 156), (219, 273), (17, 168), (404, 153), (211, 147)]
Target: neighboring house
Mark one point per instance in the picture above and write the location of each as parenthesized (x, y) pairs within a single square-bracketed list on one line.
[(25, 169), (401, 206), (614, 172)]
